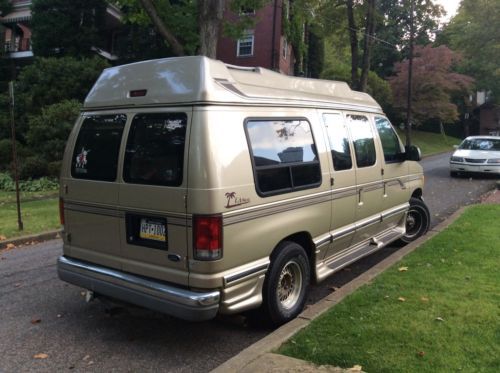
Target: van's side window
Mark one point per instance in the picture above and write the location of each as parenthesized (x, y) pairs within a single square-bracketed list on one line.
[(97, 147), (362, 137), (389, 139), (339, 141), (284, 155), (155, 149)]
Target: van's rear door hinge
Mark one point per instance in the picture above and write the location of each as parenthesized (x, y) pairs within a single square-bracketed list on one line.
[(332, 181), (382, 171)]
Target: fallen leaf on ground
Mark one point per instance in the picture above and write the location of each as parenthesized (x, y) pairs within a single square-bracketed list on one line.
[(59, 315), (356, 368), (334, 288), (403, 269), (424, 299), (421, 353), (2, 237), (86, 357), (439, 319), (401, 299), (41, 356), (16, 285), (10, 246), (36, 321)]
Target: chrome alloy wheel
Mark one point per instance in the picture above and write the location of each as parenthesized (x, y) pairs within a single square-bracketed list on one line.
[(289, 284)]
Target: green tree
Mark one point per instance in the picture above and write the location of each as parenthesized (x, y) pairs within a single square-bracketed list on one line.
[(68, 28), (187, 26), (434, 83), (45, 82), (474, 31), (48, 131), (393, 29)]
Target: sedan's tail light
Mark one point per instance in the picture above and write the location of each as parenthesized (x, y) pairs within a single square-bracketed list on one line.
[(207, 237)]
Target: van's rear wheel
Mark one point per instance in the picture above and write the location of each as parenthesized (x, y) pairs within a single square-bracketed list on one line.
[(286, 283), (418, 220)]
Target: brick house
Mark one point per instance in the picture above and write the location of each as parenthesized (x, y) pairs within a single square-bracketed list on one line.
[(16, 43), (264, 45)]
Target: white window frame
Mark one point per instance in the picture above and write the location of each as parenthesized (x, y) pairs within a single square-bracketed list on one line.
[(247, 38), (285, 48)]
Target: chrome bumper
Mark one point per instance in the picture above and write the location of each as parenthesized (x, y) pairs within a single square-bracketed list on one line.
[(144, 292)]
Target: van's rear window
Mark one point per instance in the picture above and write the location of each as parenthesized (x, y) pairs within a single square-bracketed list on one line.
[(155, 149), (95, 156)]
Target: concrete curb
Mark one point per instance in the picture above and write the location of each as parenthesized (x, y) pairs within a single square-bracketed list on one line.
[(37, 237), (253, 357)]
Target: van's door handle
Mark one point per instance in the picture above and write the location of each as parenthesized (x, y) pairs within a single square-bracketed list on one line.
[(360, 202)]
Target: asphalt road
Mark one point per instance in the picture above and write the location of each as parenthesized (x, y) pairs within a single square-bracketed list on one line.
[(42, 315)]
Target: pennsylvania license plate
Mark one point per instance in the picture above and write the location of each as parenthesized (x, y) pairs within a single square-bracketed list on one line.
[(152, 230)]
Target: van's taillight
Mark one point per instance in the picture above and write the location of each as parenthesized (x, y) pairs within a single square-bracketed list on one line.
[(61, 211), (207, 237)]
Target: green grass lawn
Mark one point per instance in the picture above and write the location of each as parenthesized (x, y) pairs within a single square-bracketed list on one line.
[(37, 215), (441, 314), (431, 143)]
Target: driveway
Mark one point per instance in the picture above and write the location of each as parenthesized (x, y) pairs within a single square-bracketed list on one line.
[(45, 317)]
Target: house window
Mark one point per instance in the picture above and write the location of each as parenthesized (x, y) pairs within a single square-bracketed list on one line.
[(245, 45)]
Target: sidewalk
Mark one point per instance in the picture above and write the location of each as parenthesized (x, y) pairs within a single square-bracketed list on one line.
[(259, 356)]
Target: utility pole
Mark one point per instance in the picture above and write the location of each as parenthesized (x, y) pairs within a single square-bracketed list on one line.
[(410, 72), (14, 155)]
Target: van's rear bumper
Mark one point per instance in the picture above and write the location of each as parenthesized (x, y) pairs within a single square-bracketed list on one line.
[(145, 292)]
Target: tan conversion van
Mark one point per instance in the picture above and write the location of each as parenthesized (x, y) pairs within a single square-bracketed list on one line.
[(193, 187)]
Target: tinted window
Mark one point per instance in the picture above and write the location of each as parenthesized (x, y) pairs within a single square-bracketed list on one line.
[(95, 156), (339, 141), (390, 140), (155, 149), (284, 155), (362, 137)]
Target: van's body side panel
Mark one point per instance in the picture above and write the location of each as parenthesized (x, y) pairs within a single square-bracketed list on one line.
[(224, 167)]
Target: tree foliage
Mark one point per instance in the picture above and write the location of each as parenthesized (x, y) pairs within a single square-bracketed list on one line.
[(392, 30), (68, 28), (475, 32), (49, 130), (434, 83), (186, 26), (46, 82)]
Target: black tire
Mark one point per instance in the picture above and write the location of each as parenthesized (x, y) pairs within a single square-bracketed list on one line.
[(286, 282), (418, 220), (453, 173)]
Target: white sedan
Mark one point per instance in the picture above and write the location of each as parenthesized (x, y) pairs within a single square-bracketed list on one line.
[(477, 154)]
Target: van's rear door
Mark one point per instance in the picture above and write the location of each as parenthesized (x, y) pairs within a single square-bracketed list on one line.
[(90, 190), (152, 195)]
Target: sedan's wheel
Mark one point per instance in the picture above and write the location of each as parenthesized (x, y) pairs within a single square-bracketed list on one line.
[(417, 221), (286, 283)]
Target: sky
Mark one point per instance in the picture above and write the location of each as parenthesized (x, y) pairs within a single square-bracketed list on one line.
[(450, 6)]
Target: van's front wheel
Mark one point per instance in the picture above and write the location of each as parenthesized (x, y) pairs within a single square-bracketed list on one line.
[(418, 220), (286, 283)]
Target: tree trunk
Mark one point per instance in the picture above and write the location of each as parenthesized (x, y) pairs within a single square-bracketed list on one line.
[(354, 43), (367, 45), (210, 14), (149, 8)]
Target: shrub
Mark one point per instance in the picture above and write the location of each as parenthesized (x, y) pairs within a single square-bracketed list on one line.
[(48, 132), (32, 168), (54, 169), (6, 182)]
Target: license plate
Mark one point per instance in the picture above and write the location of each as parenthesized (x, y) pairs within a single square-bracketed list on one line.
[(152, 230)]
